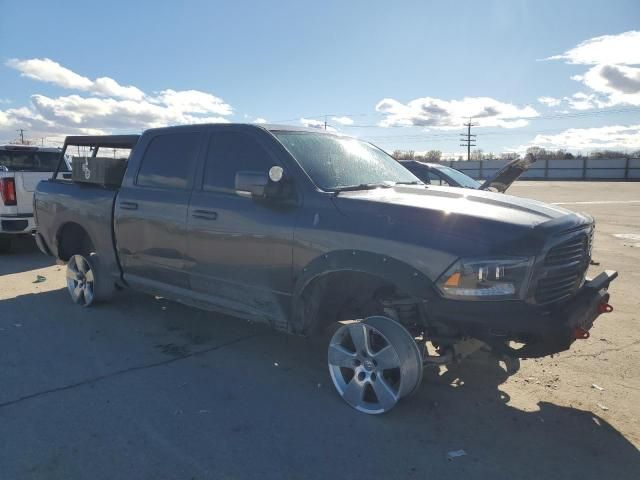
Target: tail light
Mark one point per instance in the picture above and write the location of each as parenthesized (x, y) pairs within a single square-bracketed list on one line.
[(8, 191)]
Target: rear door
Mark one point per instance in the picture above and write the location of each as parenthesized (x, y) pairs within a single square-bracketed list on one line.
[(151, 209), (240, 248)]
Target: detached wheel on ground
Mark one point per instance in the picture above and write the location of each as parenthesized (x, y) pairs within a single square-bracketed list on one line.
[(374, 363), (85, 282)]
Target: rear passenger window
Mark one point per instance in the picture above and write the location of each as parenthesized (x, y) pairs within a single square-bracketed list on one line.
[(168, 161), (229, 153)]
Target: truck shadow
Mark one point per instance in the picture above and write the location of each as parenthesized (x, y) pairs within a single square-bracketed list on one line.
[(289, 396), (23, 256)]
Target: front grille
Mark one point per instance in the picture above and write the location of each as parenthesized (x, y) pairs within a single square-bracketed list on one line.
[(564, 268)]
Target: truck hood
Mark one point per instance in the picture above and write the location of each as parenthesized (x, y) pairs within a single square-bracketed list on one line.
[(508, 174), (471, 221)]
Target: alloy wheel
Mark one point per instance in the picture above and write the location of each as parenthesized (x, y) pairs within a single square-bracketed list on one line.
[(80, 280), (374, 363)]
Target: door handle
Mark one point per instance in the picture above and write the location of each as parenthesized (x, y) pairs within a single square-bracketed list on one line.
[(128, 205), (205, 214)]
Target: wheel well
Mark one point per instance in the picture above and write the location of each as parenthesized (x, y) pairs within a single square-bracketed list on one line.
[(342, 295), (73, 239)]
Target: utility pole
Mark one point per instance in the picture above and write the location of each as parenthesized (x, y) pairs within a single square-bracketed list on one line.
[(467, 139), (21, 130), (325, 122)]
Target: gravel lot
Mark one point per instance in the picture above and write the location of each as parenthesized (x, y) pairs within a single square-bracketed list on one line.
[(144, 388)]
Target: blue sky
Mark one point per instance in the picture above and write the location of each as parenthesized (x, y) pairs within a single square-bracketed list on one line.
[(405, 73)]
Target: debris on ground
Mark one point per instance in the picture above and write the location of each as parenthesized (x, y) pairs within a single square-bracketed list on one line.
[(39, 279), (200, 412), (597, 387), (603, 407), (455, 453), (17, 325)]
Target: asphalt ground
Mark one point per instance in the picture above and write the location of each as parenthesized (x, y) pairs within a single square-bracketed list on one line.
[(144, 388)]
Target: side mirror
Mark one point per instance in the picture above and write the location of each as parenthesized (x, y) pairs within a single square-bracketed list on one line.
[(261, 184)]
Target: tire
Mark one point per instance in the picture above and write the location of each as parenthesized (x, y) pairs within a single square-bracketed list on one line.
[(5, 244), (86, 282), (374, 363)]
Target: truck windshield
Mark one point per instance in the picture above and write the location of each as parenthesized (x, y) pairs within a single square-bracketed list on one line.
[(29, 160), (341, 163)]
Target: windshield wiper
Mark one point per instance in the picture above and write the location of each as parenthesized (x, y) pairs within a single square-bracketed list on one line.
[(414, 182), (363, 186)]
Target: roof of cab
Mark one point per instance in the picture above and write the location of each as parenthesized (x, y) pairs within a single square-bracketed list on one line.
[(264, 126)]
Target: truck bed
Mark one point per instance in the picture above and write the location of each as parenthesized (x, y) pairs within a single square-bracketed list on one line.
[(63, 204)]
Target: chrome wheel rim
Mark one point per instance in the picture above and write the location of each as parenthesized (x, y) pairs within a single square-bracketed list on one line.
[(80, 280), (374, 363)]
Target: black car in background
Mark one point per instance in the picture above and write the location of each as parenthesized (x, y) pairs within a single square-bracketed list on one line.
[(438, 174)]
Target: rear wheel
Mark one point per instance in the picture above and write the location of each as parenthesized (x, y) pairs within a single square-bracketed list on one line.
[(85, 281), (374, 363)]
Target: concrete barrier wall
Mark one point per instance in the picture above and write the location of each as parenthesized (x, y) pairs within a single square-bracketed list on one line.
[(574, 169)]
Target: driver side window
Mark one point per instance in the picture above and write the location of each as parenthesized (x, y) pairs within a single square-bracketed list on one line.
[(229, 153)]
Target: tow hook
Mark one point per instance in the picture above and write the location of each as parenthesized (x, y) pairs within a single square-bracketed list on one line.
[(605, 308)]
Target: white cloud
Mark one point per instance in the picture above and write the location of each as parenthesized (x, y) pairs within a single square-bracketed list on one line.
[(550, 101), (46, 70), (597, 138), (451, 114), (613, 78), (310, 122), (585, 101), (343, 120), (623, 49), (620, 83), (192, 101), (110, 88), (260, 120), (113, 107)]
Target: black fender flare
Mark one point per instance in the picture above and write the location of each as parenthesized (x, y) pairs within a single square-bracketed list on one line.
[(408, 279)]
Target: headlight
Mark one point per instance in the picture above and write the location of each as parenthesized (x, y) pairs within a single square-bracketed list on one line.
[(486, 279)]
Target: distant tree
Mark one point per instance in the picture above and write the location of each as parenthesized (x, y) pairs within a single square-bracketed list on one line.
[(403, 154), (509, 156), (608, 154), (433, 156), (477, 154)]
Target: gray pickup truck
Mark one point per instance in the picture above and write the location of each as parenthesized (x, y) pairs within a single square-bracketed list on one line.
[(303, 230)]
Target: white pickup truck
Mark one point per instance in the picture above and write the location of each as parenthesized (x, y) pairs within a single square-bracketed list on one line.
[(21, 168)]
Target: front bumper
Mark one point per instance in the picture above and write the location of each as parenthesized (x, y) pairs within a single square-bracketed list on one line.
[(543, 330)]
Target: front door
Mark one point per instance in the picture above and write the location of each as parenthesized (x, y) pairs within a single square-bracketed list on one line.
[(240, 248)]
